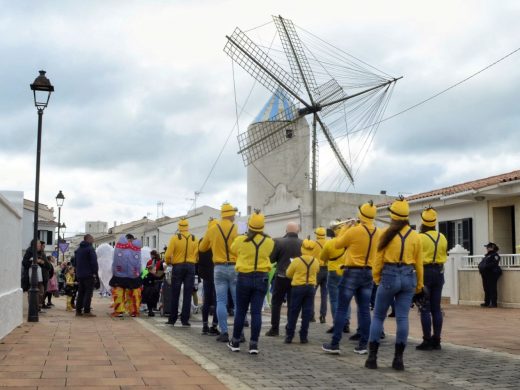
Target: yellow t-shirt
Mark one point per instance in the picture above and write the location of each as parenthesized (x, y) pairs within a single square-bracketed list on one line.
[(332, 256), (361, 242), (253, 256), (182, 248), (303, 270), (320, 243), (430, 240), (219, 239)]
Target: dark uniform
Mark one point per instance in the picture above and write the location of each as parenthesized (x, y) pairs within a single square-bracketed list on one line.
[(490, 271)]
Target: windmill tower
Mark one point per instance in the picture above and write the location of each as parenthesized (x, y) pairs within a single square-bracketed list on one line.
[(286, 170)]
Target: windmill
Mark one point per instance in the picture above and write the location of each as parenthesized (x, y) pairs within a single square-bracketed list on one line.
[(324, 101)]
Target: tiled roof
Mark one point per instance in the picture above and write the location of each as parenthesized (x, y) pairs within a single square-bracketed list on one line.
[(468, 186)]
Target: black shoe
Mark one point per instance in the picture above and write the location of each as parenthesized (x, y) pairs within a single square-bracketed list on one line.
[(272, 333), (322, 319), (493, 305), (186, 324), (331, 348), (170, 322), (383, 335), (205, 330), (223, 338), (304, 341), (79, 314), (287, 340), (313, 319), (355, 337), (253, 348), (360, 349), (397, 363), (231, 313), (426, 345), (330, 330), (436, 343), (391, 315), (234, 345), (346, 329), (246, 324), (371, 361), (213, 331), (484, 304), (151, 313)]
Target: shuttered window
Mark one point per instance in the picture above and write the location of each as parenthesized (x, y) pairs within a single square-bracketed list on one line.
[(458, 231)]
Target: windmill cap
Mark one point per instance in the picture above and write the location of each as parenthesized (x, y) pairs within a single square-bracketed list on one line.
[(367, 211), (227, 210), (256, 222), (429, 217), (320, 231), (399, 210), (308, 246), (183, 225)]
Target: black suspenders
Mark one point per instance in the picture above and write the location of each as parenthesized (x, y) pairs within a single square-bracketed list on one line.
[(308, 268), (403, 239), (257, 250), (226, 238), (435, 244), (370, 236)]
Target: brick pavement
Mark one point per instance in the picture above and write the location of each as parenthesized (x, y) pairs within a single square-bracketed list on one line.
[(64, 351)]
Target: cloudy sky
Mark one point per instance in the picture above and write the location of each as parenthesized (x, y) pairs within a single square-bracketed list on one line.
[(144, 97)]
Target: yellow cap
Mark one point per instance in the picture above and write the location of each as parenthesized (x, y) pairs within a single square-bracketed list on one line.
[(429, 217), (227, 210), (308, 247), (367, 211), (399, 210), (212, 222), (256, 222), (183, 225), (320, 232)]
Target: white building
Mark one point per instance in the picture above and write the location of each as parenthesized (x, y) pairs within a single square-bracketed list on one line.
[(96, 227), (11, 295), (278, 183), (47, 226)]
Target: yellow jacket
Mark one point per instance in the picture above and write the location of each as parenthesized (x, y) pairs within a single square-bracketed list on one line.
[(253, 256), (412, 254), (317, 250), (430, 240), (182, 248), (219, 239), (361, 242), (332, 256), (303, 270)]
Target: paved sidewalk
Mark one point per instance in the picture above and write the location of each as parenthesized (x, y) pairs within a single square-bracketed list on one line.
[(64, 351)]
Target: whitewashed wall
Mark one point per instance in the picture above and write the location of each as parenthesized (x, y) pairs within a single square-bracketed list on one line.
[(11, 295)]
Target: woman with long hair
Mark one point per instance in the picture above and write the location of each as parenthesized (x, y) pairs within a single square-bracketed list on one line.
[(398, 270), (253, 266)]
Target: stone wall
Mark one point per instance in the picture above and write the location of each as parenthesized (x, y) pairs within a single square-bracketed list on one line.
[(472, 293)]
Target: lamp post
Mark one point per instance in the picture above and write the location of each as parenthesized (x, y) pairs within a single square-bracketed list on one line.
[(63, 252), (42, 89), (59, 202)]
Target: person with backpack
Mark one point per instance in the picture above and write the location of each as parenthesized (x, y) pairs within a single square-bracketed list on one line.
[(182, 254)]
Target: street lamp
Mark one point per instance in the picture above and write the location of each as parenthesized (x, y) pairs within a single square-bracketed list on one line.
[(59, 202), (42, 89), (62, 252)]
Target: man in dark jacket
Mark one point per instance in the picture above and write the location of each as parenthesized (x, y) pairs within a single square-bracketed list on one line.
[(86, 272), (490, 272), (285, 249)]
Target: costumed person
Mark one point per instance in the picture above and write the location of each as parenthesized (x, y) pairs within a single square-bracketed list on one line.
[(398, 269), (321, 281), (360, 243), (253, 266), (285, 249), (152, 277), (205, 271), (434, 249), (70, 286), (334, 258), (219, 239), (105, 255), (182, 254), (302, 271), (126, 281), (490, 272)]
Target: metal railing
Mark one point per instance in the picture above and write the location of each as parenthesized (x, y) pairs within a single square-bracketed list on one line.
[(506, 261)]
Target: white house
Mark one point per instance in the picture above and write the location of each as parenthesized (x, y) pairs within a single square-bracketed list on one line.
[(11, 295), (47, 225)]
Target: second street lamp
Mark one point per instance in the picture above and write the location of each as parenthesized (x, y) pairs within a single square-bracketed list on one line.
[(60, 199)]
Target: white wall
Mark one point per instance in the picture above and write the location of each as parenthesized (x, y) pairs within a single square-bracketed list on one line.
[(11, 295)]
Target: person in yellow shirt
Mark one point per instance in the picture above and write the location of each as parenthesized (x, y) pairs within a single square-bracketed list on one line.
[(398, 270), (360, 243), (253, 265), (219, 238), (302, 271), (182, 253), (321, 282), (434, 248), (334, 258)]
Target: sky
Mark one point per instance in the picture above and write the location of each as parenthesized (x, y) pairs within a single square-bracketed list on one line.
[(144, 97)]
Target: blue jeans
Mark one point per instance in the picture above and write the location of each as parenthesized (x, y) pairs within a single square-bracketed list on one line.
[(356, 282), (182, 274), (321, 283), (251, 289), (302, 299), (399, 283), (225, 278), (333, 280), (431, 312)]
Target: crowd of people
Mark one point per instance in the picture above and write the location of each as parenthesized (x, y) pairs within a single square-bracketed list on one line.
[(395, 266)]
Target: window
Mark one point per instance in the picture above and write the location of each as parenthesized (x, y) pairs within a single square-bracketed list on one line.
[(154, 242), (147, 241), (49, 238), (458, 231)]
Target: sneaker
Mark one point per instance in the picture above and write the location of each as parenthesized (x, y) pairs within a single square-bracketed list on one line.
[(322, 319), (205, 330), (89, 314), (272, 333), (170, 322), (331, 348), (42, 311), (361, 350), (234, 345), (223, 338), (186, 324), (133, 315), (355, 337), (213, 331), (287, 340), (253, 348)]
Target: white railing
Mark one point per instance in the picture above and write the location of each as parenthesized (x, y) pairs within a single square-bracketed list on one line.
[(506, 261)]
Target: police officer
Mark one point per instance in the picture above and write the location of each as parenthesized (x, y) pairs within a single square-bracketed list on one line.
[(490, 271), (434, 249)]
